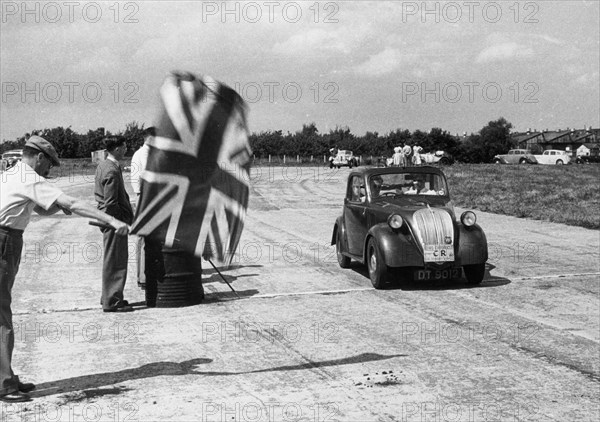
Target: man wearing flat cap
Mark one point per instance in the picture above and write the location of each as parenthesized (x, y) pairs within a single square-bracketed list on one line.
[(24, 189)]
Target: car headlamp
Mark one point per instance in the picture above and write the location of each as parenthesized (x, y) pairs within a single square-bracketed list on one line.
[(395, 221), (468, 218)]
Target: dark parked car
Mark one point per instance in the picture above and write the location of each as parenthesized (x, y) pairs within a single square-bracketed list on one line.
[(402, 218), (587, 159)]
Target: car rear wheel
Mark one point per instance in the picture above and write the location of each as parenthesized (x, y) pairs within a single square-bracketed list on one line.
[(342, 259), (474, 273), (559, 162), (378, 270)]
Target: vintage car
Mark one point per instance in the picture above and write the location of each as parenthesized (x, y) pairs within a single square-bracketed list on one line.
[(438, 157), (553, 156), (515, 156), (587, 159), (12, 157), (400, 220), (344, 158)]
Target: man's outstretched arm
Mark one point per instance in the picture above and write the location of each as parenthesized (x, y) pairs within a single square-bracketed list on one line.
[(85, 210)]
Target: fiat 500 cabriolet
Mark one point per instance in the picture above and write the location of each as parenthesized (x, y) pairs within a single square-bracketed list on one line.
[(402, 218)]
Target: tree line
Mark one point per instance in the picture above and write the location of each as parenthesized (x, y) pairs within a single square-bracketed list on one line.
[(480, 147)]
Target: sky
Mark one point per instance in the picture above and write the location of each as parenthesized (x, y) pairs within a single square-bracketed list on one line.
[(369, 66)]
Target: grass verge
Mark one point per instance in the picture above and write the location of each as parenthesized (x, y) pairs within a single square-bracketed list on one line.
[(560, 194)]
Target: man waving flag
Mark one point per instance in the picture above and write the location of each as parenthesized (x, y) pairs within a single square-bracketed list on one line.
[(194, 191)]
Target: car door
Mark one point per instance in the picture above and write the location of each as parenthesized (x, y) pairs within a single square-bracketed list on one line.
[(355, 216), (511, 157), (545, 157)]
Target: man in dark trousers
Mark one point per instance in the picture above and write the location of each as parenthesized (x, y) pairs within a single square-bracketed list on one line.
[(23, 190), (113, 199)]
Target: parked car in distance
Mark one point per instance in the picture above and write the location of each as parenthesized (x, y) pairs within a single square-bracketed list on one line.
[(439, 157), (587, 159), (12, 157), (400, 220), (344, 158), (515, 156), (553, 156)]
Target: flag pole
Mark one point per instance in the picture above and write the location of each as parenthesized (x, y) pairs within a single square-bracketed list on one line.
[(219, 272)]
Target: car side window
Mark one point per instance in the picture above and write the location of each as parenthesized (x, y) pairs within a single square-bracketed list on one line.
[(357, 190)]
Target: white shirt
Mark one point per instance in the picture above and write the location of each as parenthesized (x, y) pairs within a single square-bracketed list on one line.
[(21, 189), (138, 164)]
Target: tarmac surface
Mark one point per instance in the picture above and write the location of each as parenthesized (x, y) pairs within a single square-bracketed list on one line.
[(306, 340)]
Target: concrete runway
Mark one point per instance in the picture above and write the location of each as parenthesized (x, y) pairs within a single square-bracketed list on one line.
[(307, 340)]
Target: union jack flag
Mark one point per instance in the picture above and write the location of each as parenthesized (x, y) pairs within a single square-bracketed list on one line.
[(194, 191)]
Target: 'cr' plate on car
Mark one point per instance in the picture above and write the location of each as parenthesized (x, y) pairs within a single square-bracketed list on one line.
[(438, 253)]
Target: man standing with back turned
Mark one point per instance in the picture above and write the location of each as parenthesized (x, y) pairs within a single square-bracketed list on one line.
[(24, 189), (113, 199)]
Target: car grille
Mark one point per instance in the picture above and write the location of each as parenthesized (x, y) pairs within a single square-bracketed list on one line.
[(433, 227)]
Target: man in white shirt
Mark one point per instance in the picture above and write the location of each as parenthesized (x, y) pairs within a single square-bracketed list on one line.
[(138, 165), (24, 189), (139, 161)]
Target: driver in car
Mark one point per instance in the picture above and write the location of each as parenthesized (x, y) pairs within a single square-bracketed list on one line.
[(376, 182)]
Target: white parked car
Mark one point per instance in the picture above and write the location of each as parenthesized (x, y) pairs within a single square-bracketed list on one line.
[(553, 156), (344, 158), (12, 157)]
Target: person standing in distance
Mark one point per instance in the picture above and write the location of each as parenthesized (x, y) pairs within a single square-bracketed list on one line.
[(24, 189), (406, 151), (113, 199)]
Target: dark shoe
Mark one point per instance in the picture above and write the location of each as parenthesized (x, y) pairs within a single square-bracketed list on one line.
[(122, 308), (26, 387), (15, 397)]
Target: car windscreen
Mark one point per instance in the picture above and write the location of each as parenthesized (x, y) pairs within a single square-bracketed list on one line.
[(408, 183)]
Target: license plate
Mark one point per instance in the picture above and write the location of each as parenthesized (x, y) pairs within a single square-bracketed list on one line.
[(439, 253), (446, 274)]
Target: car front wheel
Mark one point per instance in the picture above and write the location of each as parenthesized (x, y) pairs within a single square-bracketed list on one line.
[(559, 163), (342, 259), (376, 264), (474, 273)]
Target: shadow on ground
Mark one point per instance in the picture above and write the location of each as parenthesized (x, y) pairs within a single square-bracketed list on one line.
[(88, 386)]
